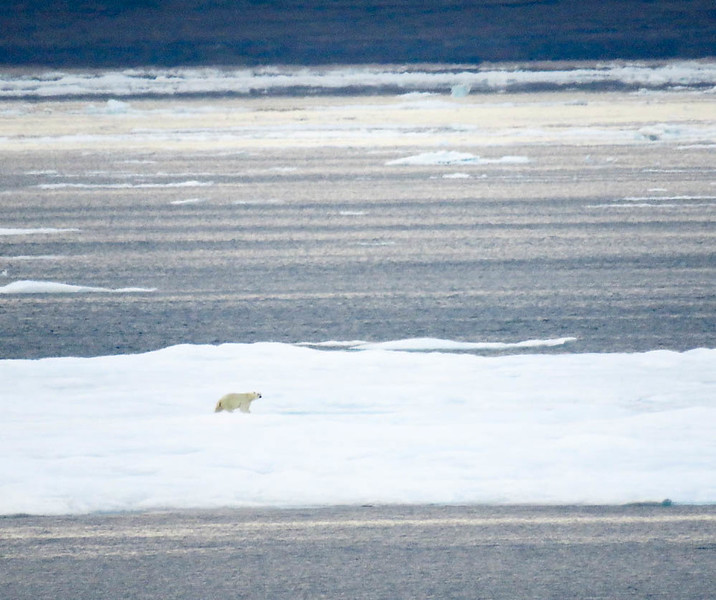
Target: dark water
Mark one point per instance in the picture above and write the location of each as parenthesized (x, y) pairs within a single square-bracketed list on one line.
[(383, 552), (319, 244), (121, 33)]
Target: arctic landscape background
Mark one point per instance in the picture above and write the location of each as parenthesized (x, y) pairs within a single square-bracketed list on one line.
[(453, 281)]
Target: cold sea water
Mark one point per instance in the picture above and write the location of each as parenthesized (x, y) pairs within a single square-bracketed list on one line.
[(135, 222)]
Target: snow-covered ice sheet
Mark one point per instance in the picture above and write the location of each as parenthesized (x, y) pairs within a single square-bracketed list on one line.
[(350, 425)]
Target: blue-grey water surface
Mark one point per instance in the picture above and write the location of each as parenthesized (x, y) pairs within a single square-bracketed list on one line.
[(612, 244)]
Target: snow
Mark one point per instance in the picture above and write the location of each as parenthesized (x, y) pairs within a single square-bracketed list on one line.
[(355, 423), (51, 287)]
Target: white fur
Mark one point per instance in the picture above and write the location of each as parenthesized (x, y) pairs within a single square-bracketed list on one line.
[(231, 402)]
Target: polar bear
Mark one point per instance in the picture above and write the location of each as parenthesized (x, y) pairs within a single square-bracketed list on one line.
[(231, 402)]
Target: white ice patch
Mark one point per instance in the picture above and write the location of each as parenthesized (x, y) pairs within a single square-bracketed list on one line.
[(696, 147), (460, 90), (52, 287), (435, 344), (124, 186), (139, 432), (30, 257), (430, 344), (672, 198), (35, 230), (188, 201), (111, 107), (449, 157)]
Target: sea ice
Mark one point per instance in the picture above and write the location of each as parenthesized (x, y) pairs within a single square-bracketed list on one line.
[(698, 74), (336, 426)]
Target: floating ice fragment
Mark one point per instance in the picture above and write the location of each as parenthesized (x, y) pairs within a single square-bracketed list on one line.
[(460, 90), (424, 344), (35, 230), (449, 157), (442, 157), (52, 287), (188, 201), (433, 344), (124, 186), (111, 107), (117, 106)]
